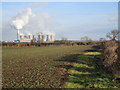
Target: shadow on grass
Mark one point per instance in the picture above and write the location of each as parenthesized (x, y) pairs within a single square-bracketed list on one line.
[(68, 58), (94, 49), (97, 47), (64, 66), (84, 71), (91, 51)]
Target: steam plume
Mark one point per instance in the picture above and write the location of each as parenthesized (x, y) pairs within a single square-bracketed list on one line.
[(21, 20), (30, 23)]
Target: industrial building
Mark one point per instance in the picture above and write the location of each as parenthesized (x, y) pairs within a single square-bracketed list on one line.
[(25, 40), (45, 38), (39, 38)]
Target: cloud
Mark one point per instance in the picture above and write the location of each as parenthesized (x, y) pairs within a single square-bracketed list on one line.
[(39, 4), (113, 18)]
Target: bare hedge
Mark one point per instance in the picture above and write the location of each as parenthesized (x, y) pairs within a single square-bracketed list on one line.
[(111, 60), (37, 44)]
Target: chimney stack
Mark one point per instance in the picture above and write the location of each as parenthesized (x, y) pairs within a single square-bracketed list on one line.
[(18, 35)]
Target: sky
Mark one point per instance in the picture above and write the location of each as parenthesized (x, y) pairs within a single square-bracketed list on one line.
[(72, 20)]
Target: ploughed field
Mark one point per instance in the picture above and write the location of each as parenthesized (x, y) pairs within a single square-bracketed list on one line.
[(37, 67)]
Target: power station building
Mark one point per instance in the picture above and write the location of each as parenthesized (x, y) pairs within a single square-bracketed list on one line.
[(45, 38), (24, 38), (39, 38)]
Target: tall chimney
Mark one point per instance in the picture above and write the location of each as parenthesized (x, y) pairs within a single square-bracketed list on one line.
[(18, 35)]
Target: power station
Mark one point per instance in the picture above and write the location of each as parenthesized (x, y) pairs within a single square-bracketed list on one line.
[(39, 38)]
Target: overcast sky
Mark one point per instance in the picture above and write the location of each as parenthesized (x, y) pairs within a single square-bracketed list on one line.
[(71, 20)]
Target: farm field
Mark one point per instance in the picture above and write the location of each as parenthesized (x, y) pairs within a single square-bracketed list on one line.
[(37, 67), (54, 67)]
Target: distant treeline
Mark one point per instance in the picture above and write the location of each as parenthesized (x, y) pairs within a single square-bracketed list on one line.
[(37, 44)]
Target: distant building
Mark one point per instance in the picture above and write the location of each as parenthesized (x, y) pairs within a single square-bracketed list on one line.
[(31, 38), (52, 37), (26, 40), (16, 41), (25, 36), (43, 38), (48, 38), (40, 37), (21, 36)]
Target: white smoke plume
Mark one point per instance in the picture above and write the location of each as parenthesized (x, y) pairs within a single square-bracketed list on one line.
[(22, 19), (30, 23), (40, 22)]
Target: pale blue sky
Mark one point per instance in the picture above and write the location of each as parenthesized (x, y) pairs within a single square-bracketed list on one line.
[(71, 20)]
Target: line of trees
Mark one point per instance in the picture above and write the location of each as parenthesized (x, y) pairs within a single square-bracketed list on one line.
[(112, 35)]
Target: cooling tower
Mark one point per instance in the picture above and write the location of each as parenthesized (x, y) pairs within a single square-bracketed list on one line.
[(25, 36), (33, 37), (43, 38), (52, 37), (30, 37), (40, 37), (48, 38), (21, 36)]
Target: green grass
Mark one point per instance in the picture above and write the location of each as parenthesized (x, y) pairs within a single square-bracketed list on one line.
[(85, 73), (54, 67), (32, 67)]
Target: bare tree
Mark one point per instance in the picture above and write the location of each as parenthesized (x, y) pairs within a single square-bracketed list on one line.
[(64, 39), (113, 35), (102, 39), (85, 39)]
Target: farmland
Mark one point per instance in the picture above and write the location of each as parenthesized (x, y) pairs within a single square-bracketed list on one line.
[(54, 67), (32, 67)]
